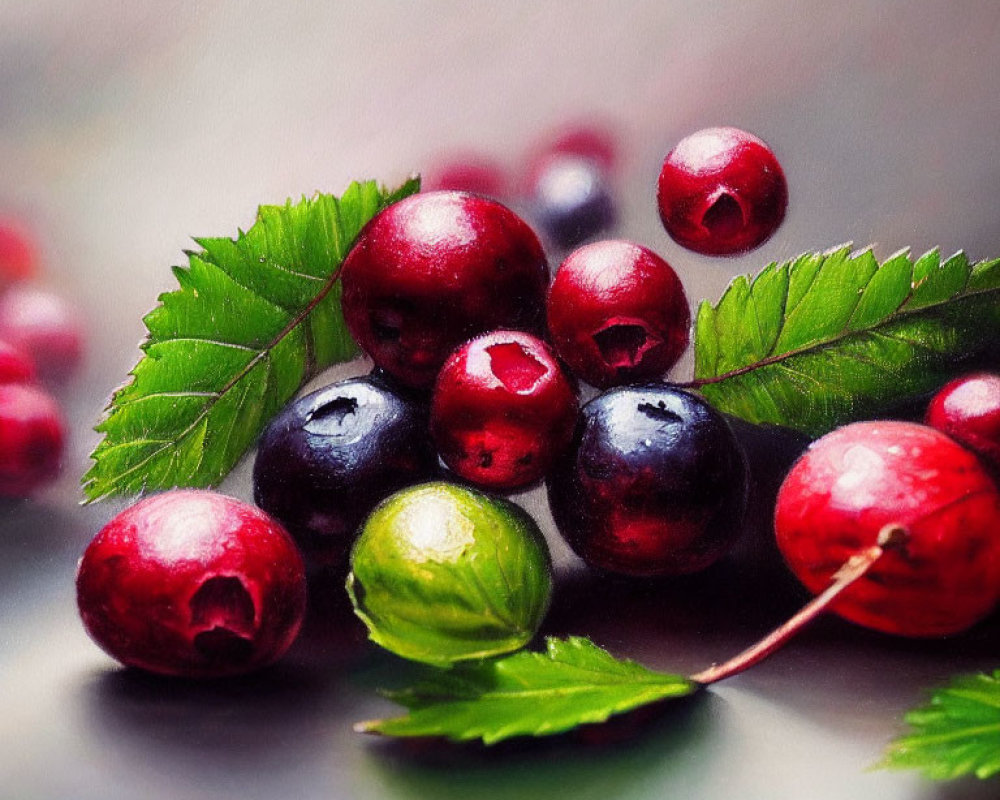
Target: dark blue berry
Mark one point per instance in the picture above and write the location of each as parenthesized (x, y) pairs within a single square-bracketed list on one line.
[(572, 201)]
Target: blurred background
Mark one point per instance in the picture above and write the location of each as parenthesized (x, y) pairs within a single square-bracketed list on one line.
[(126, 128)]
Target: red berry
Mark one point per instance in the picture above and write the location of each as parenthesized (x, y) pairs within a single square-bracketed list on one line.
[(502, 410), (16, 366), (468, 173), (46, 327), (591, 141), (617, 313), (31, 439), (968, 410), (18, 255), (721, 192), (192, 583), (433, 270), (855, 481)]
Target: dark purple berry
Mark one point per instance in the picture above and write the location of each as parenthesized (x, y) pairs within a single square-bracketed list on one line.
[(572, 200), (328, 458), (654, 483)]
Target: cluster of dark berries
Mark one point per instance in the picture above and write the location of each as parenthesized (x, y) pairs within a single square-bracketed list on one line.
[(478, 362), (40, 346)]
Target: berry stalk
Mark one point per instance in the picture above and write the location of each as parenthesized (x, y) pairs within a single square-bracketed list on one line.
[(890, 537)]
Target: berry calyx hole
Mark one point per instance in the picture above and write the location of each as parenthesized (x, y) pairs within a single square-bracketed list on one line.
[(624, 344), (332, 417), (724, 218), (221, 644), (222, 603), (660, 412), (515, 367)]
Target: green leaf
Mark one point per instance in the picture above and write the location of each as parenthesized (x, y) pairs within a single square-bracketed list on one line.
[(254, 318), (830, 338), (527, 694), (957, 733)]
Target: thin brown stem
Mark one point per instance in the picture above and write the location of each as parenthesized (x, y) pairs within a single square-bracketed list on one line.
[(891, 536)]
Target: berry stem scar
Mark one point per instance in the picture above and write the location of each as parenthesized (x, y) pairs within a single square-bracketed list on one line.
[(891, 537)]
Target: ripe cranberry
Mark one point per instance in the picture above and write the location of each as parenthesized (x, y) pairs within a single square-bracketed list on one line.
[(46, 327), (502, 410), (571, 200), (192, 583), (968, 410), (31, 439), (327, 459), (617, 313), (434, 270), (18, 255), (471, 173), (16, 366), (855, 481), (721, 192), (653, 484)]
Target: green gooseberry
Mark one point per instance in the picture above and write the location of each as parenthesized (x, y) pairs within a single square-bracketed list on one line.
[(441, 573)]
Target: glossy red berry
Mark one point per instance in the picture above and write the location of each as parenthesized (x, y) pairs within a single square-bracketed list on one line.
[(18, 253), (852, 483), (617, 313), (968, 410), (44, 326), (194, 584), (470, 172), (654, 483), (32, 433), (434, 270), (16, 366), (502, 410), (721, 192)]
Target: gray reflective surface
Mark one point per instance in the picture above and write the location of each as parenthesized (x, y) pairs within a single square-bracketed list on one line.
[(125, 129)]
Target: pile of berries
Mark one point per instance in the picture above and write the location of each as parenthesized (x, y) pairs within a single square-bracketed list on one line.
[(478, 358), (40, 346)]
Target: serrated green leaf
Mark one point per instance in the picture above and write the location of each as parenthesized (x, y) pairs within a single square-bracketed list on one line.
[(253, 318), (830, 338), (572, 683), (957, 733)]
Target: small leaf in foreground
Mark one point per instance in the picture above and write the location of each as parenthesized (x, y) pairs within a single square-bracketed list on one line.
[(957, 733), (254, 318), (830, 338), (528, 694)]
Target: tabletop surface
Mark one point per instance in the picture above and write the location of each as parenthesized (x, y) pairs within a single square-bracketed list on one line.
[(127, 129)]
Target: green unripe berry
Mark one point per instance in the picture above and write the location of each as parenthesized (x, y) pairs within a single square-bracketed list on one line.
[(441, 573)]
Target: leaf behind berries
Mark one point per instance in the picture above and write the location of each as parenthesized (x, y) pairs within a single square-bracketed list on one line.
[(829, 338), (253, 319), (956, 733), (527, 694)]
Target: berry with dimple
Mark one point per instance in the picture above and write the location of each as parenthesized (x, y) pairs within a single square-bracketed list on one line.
[(434, 270), (44, 326), (443, 573), (571, 200), (721, 192), (968, 410), (502, 410), (653, 484), (327, 459), (855, 481), (194, 584), (18, 254), (16, 366), (617, 313), (32, 435)]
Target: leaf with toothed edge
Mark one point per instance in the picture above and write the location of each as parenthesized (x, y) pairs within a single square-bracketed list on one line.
[(572, 683), (830, 338), (956, 733), (253, 319)]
